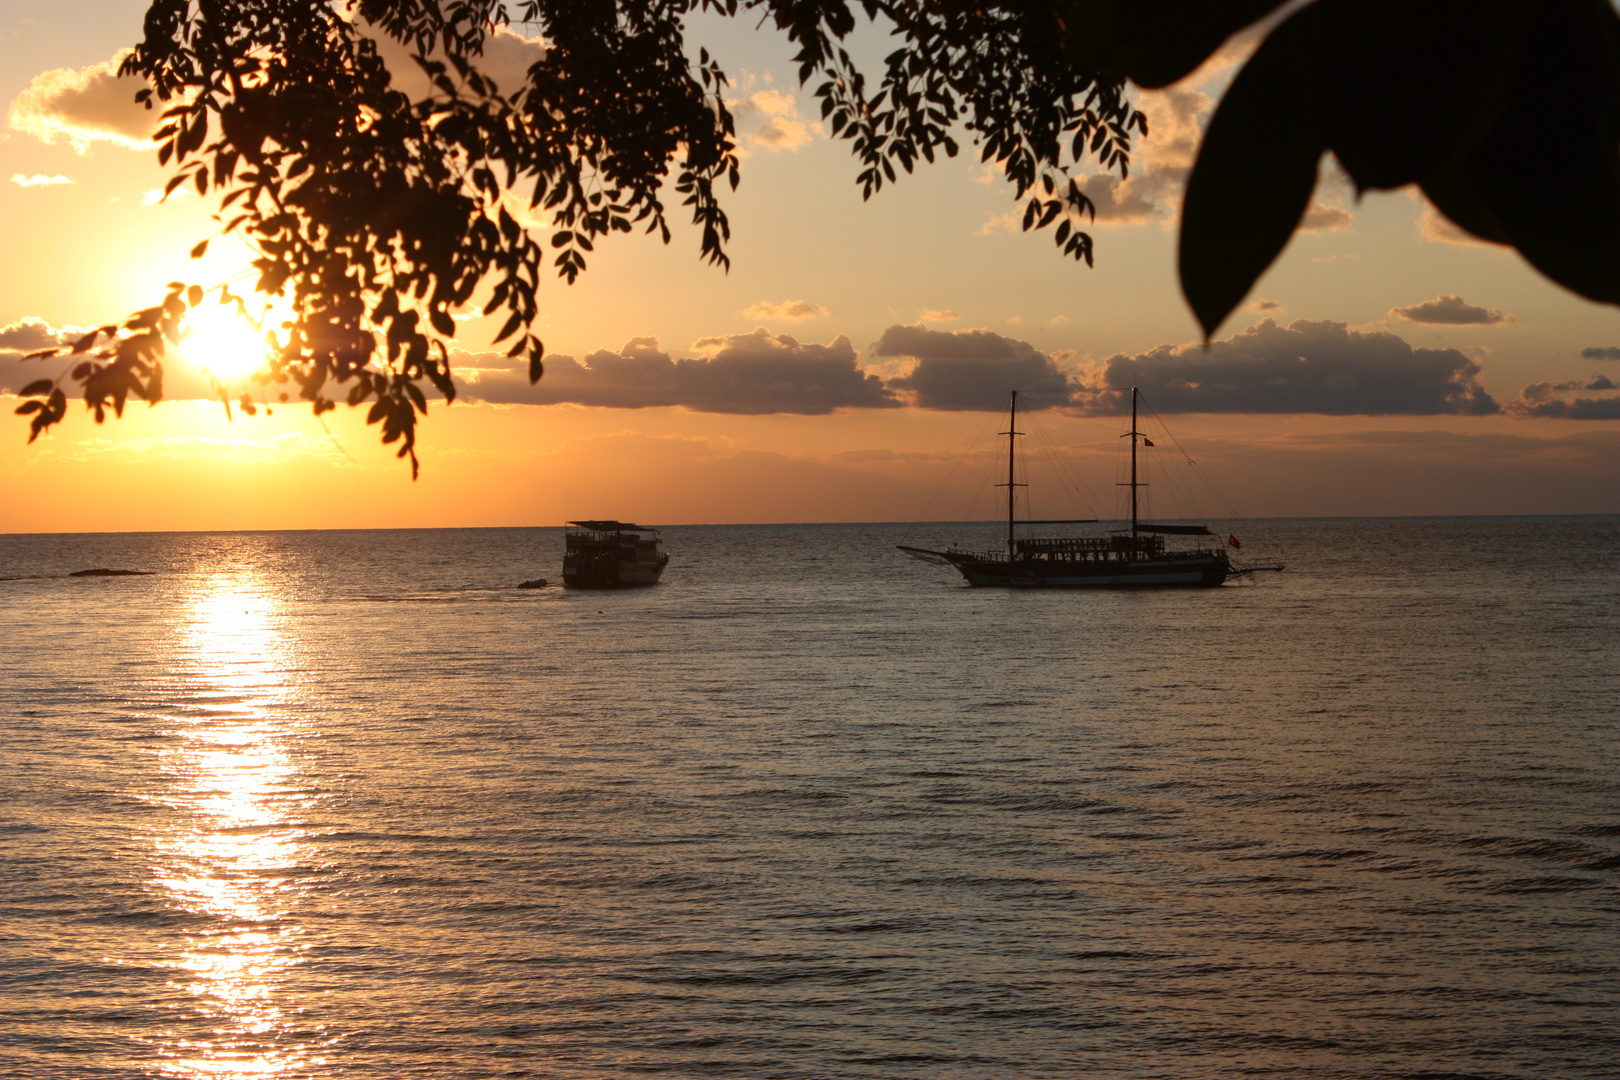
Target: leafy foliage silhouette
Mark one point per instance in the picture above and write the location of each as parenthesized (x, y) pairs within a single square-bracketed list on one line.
[(377, 217), (1506, 113)]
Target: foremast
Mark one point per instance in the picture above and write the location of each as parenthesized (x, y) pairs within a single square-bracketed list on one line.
[(1012, 433)]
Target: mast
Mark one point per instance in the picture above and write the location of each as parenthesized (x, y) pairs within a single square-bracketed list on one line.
[(1134, 484), (1012, 432), (1133, 461)]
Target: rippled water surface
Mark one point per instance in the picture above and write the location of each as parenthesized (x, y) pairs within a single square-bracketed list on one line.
[(346, 804)]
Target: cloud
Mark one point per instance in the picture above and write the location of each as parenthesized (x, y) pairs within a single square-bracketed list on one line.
[(1262, 304), (1160, 164), (1436, 228), (770, 120), (41, 180), (790, 310), (1325, 217), (28, 335), (83, 107), (1451, 310), (750, 374), (1601, 352), (1564, 400), (937, 315), (507, 58), (972, 369), (1307, 367), (1159, 167)]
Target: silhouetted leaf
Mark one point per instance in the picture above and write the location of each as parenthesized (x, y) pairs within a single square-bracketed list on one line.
[(1455, 192), (1158, 42), (1551, 177), (1406, 88), (1255, 172)]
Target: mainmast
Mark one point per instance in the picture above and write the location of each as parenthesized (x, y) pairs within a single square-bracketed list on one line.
[(1012, 432), (1134, 433), (1134, 484)]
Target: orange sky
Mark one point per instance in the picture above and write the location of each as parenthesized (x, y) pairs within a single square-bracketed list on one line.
[(729, 430)]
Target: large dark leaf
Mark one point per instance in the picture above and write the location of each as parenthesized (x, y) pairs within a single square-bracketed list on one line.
[(1160, 41), (1550, 170), (1255, 172), (1455, 192), (1406, 88)]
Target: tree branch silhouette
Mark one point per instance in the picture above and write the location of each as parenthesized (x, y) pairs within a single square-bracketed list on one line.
[(376, 217)]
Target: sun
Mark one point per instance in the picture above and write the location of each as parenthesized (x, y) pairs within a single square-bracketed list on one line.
[(222, 343)]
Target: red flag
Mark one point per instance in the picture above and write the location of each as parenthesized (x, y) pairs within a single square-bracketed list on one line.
[(1230, 539), (1146, 441)]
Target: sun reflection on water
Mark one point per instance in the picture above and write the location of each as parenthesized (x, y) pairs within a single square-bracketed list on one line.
[(237, 849)]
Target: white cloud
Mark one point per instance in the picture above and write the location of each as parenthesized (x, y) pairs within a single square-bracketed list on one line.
[(789, 310), (41, 180), (769, 120), (83, 107)]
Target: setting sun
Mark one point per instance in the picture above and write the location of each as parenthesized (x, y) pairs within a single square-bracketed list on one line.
[(222, 343)]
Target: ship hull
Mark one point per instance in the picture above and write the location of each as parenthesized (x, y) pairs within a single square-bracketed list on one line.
[(1178, 573), (1188, 571), (621, 579)]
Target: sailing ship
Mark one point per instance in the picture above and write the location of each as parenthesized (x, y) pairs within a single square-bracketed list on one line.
[(1136, 559), (612, 555)]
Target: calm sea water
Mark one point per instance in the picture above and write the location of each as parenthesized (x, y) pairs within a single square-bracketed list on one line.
[(348, 805)]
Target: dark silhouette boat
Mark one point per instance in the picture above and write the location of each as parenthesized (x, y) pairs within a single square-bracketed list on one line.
[(612, 555), (1138, 559)]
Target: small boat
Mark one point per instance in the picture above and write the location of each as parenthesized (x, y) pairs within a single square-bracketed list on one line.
[(1136, 559), (612, 555)]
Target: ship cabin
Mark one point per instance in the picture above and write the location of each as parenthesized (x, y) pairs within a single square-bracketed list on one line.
[(611, 554)]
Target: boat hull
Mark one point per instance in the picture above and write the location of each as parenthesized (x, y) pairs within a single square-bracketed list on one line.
[(1180, 573), (604, 574), (1169, 571)]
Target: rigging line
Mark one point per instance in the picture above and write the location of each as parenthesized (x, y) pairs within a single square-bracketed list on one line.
[(1066, 471), (970, 448), (1175, 484), (334, 439), (1067, 408), (987, 482), (1219, 496)]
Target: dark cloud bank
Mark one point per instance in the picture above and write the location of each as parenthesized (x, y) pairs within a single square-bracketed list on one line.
[(1306, 367), (741, 373)]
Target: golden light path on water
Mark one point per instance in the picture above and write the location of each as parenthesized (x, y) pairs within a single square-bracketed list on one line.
[(232, 857)]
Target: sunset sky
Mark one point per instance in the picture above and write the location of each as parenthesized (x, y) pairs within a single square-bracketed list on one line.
[(845, 365)]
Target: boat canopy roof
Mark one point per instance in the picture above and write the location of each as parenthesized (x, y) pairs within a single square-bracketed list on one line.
[(612, 526), (1176, 530)]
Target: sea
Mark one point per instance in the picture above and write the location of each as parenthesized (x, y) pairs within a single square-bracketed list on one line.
[(350, 804)]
